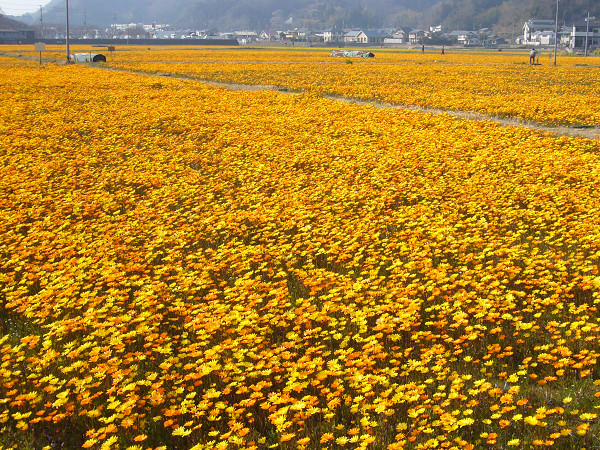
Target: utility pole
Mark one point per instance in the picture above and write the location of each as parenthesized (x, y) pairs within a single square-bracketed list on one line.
[(68, 50), (42, 21), (587, 32), (556, 33)]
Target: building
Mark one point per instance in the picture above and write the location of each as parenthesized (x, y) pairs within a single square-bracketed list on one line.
[(304, 34), (366, 37), (542, 32), (578, 32), (371, 37), (463, 37), (534, 25), (398, 36), (10, 36), (416, 36), (351, 36), (542, 38), (271, 35), (401, 34), (333, 35), (245, 37)]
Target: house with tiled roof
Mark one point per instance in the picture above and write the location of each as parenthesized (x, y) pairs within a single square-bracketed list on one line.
[(351, 36), (371, 37)]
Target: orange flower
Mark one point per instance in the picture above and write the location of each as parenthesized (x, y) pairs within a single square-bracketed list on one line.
[(286, 437), (326, 437)]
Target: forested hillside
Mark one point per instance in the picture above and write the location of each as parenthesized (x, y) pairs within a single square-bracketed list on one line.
[(7, 23), (508, 14), (502, 15), (236, 14)]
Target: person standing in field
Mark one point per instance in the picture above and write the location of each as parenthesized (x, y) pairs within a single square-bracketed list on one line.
[(532, 54), (442, 49), (423, 48)]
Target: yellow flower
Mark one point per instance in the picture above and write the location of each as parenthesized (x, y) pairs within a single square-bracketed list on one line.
[(342, 440), (531, 420), (181, 431)]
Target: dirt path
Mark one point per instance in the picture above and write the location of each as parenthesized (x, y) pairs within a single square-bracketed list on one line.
[(588, 132)]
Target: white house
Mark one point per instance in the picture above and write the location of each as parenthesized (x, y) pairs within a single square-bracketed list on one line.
[(579, 30), (542, 38), (401, 34), (371, 37), (533, 25), (270, 35), (304, 33), (470, 40), (333, 35), (245, 37), (465, 37), (416, 36)]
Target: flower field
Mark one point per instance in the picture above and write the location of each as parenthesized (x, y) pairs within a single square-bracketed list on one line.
[(492, 83), (184, 266)]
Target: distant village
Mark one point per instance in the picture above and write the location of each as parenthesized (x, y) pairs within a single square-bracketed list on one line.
[(535, 33)]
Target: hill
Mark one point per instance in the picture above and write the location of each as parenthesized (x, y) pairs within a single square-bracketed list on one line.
[(507, 15), (239, 14), (501, 15), (8, 23)]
